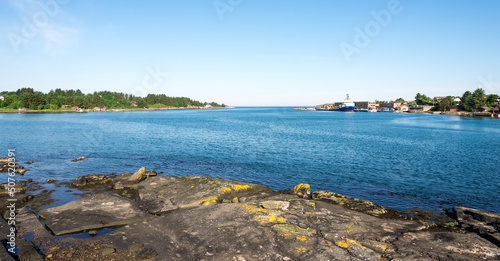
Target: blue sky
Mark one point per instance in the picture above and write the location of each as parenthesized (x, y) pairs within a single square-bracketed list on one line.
[(242, 52)]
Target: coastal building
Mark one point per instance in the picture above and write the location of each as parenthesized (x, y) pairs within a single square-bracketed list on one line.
[(99, 108), (208, 106), (496, 110), (457, 100), (454, 108), (2, 98), (402, 108), (361, 105), (389, 105), (75, 108), (421, 108), (65, 106), (483, 109)]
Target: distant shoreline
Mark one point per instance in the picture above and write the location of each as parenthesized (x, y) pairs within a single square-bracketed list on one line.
[(450, 113), (115, 110)]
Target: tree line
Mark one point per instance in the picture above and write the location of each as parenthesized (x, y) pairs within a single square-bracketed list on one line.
[(470, 101), (56, 99)]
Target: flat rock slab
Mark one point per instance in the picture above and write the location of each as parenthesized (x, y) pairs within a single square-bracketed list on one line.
[(269, 229), (161, 194), (93, 212)]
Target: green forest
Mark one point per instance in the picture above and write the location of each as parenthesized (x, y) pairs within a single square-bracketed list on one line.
[(65, 99)]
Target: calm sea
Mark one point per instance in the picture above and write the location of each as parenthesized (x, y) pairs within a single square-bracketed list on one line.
[(396, 160)]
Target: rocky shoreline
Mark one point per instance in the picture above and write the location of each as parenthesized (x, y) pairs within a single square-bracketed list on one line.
[(146, 216)]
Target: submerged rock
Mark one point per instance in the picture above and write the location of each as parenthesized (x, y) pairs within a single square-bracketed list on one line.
[(360, 205), (93, 212), (6, 164), (79, 158), (12, 188), (79, 182)]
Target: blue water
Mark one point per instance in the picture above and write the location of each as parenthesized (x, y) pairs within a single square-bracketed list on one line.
[(396, 160)]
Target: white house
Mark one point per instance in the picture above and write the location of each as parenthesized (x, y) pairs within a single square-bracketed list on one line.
[(457, 100), (2, 98)]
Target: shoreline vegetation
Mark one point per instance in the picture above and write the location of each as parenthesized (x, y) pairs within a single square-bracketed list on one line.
[(29, 100), (147, 216)]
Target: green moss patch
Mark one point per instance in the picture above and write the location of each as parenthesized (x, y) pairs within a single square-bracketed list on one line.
[(294, 229)]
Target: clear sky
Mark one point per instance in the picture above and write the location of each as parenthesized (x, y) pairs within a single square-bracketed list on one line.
[(253, 52)]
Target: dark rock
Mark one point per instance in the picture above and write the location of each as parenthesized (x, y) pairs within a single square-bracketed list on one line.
[(92, 212), (79, 158), (146, 254), (150, 173), (8, 190), (477, 220), (92, 232), (118, 185), (4, 166), (28, 162), (5, 230), (50, 181), (27, 251), (350, 203), (95, 177), (79, 182)]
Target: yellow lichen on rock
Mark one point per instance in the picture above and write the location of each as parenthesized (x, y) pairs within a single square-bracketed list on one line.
[(225, 189), (137, 175), (345, 243), (240, 187), (302, 238)]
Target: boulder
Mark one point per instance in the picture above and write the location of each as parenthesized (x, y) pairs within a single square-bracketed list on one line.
[(79, 182), (302, 190), (118, 185), (92, 212), (138, 176), (360, 205), (150, 173), (477, 220), (79, 158)]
